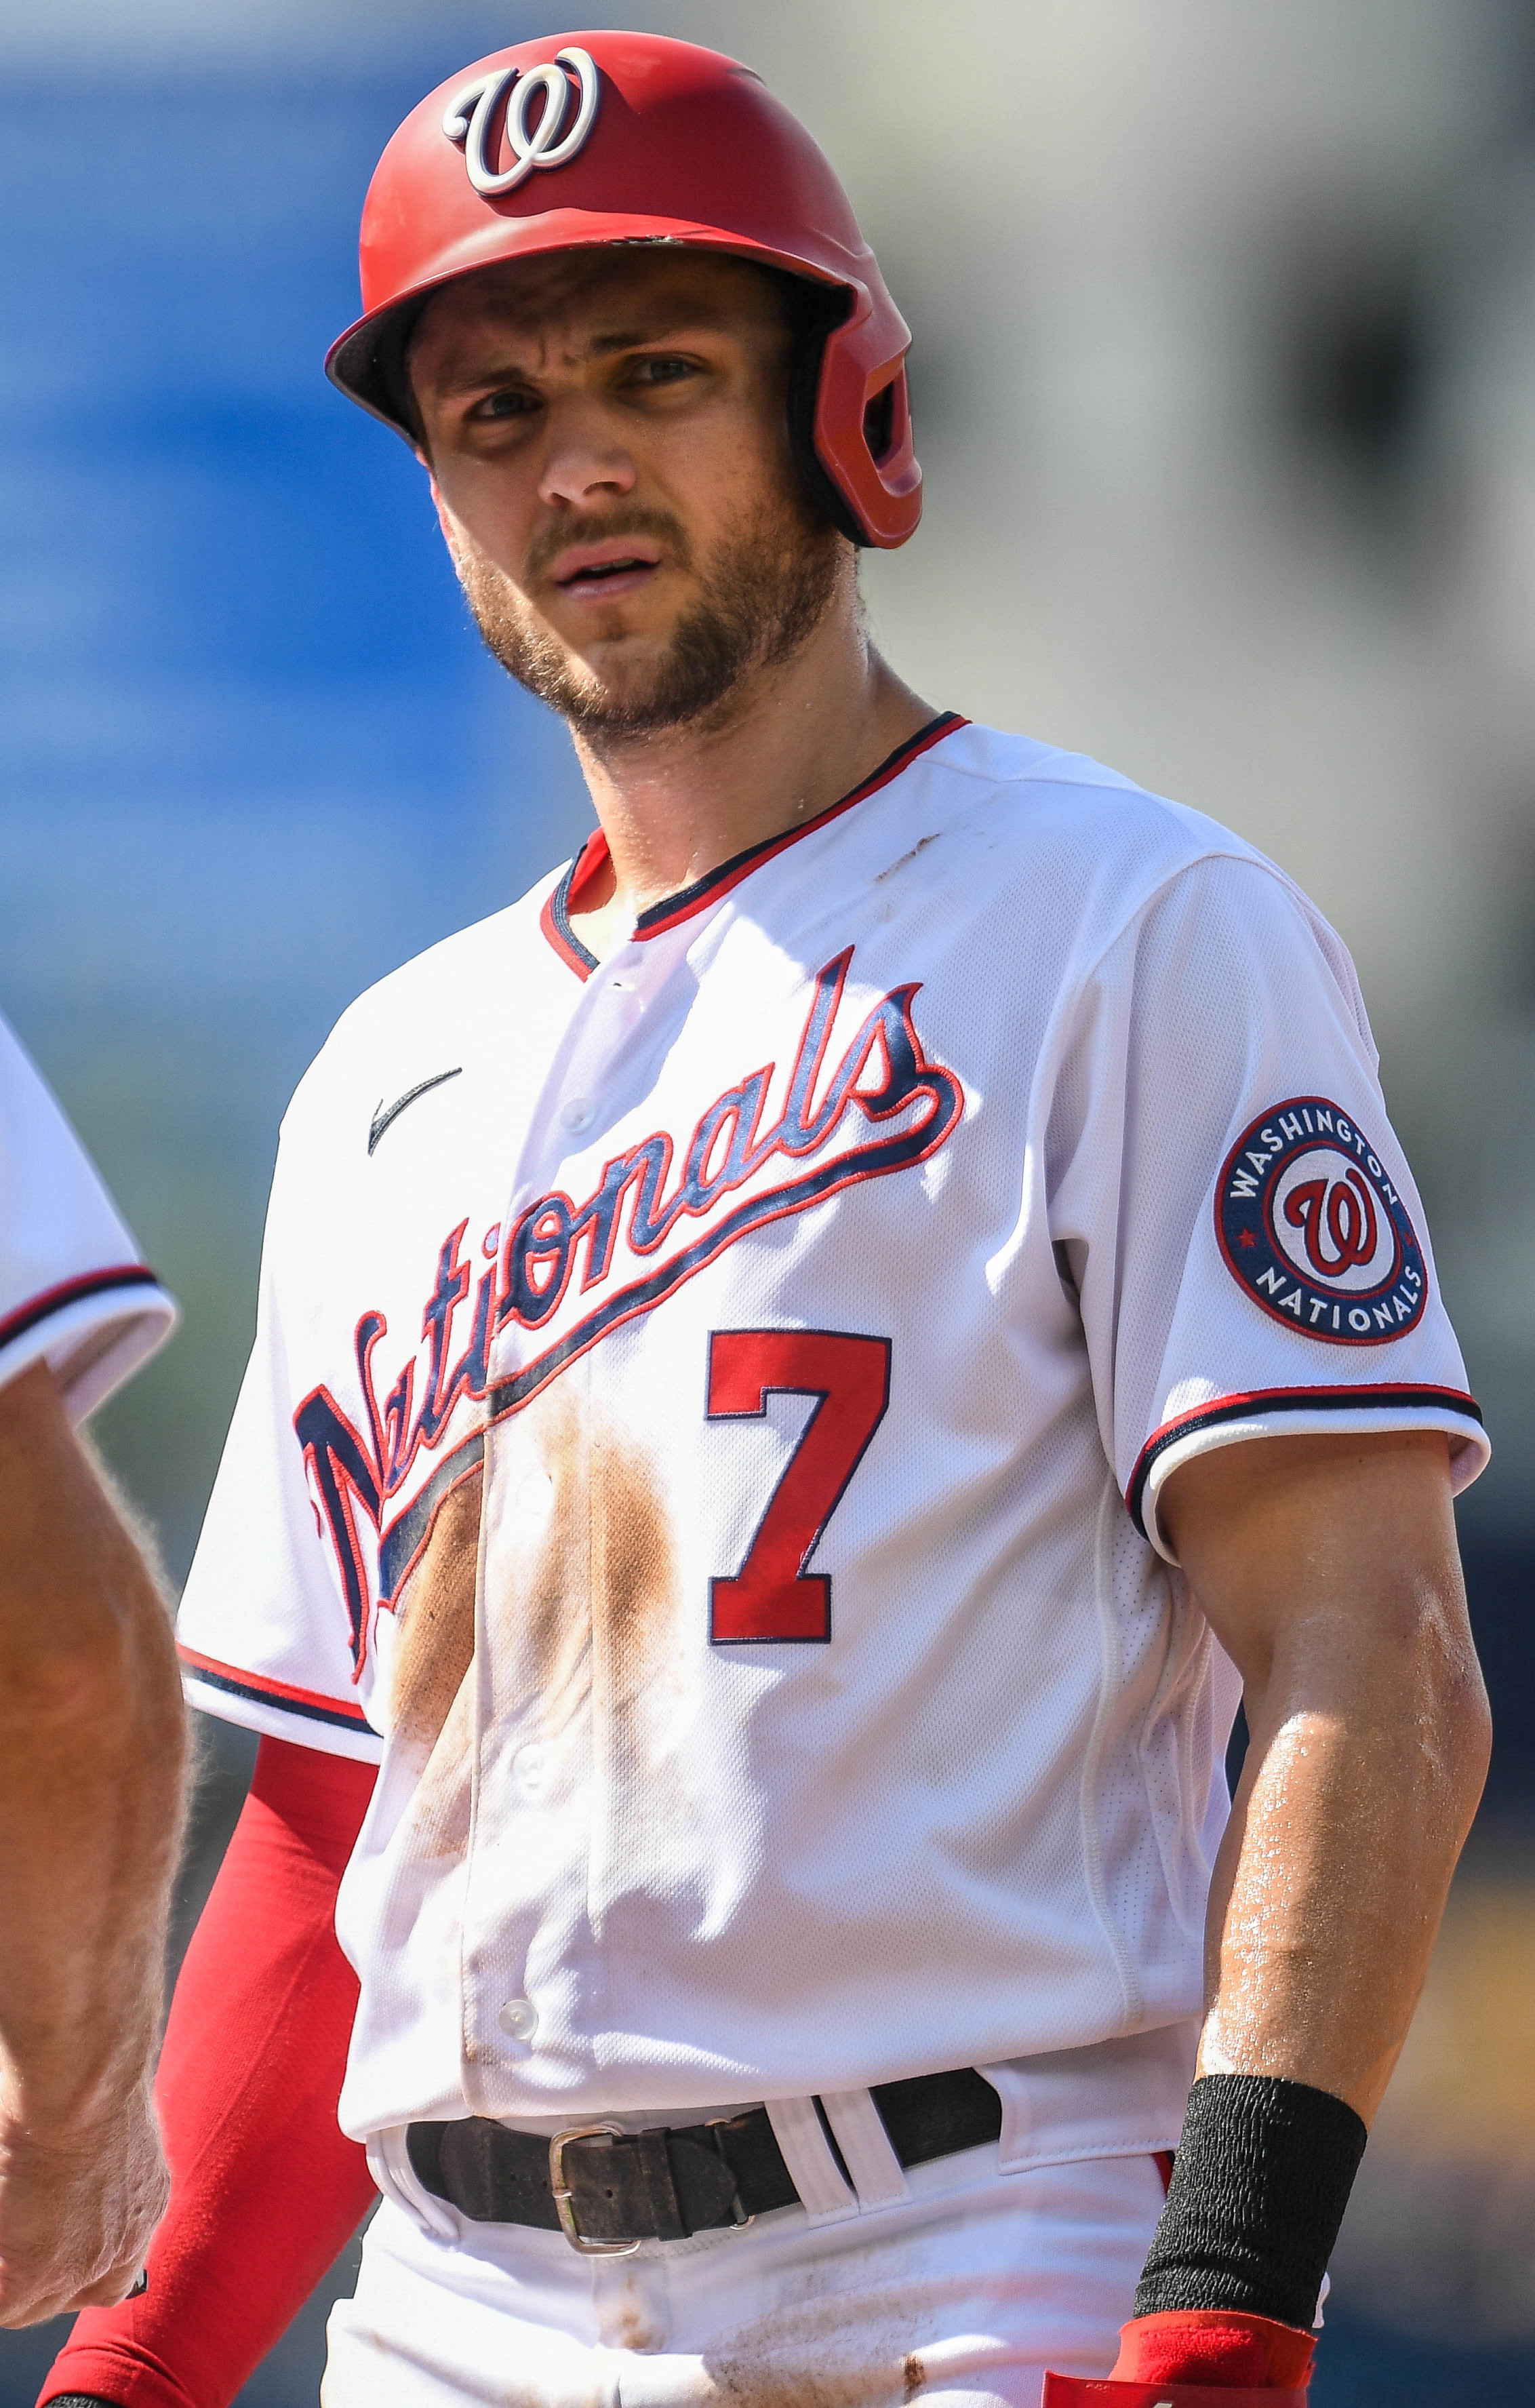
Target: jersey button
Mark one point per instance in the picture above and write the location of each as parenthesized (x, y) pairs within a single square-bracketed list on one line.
[(530, 1770), (535, 1495), (519, 2018), (578, 1113)]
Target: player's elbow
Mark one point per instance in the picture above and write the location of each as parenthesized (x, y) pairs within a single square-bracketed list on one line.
[(1423, 1678), (102, 1672), (81, 1676), (1456, 1723)]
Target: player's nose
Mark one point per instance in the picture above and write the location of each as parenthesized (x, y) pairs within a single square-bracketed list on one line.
[(582, 463)]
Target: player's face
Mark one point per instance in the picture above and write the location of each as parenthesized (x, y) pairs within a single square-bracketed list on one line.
[(608, 446)]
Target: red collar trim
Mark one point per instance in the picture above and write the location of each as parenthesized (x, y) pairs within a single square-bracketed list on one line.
[(554, 919), (662, 916)]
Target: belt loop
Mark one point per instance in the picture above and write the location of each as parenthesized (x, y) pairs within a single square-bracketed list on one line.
[(858, 2128), (813, 2169), (389, 2161)]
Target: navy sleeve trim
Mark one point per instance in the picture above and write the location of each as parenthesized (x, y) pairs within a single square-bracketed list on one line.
[(69, 1292), (1387, 1398), (263, 1691)]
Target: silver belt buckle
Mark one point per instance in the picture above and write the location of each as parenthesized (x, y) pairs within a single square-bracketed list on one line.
[(564, 2204)]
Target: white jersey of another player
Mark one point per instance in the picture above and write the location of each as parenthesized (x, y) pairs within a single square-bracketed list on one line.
[(72, 1289), (705, 1435)]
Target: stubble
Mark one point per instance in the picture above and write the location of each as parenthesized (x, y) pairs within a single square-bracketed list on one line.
[(768, 588)]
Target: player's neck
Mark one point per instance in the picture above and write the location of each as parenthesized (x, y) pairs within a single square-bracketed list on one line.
[(796, 738)]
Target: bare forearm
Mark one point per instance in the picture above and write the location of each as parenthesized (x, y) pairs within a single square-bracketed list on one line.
[(1368, 1748), (90, 1779), (1327, 1569), (93, 1746), (1331, 1884), (91, 1756)]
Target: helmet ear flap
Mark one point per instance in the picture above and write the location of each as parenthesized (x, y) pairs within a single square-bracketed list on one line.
[(860, 439), (821, 307), (879, 432)]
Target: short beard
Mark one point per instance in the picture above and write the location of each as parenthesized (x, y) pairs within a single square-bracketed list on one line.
[(767, 590)]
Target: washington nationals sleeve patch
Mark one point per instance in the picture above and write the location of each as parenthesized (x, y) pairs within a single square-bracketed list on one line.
[(1311, 1226)]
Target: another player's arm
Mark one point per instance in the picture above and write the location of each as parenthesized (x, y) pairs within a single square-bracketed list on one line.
[(266, 2188), (1327, 1569), (92, 1746)]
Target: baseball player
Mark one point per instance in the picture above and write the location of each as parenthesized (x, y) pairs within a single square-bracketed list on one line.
[(90, 1737), (800, 1372)]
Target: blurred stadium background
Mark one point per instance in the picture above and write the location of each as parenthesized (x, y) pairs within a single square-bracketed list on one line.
[(1224, 380)]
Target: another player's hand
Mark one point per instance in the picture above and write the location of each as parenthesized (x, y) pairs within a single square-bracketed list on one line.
[(78, 2209)]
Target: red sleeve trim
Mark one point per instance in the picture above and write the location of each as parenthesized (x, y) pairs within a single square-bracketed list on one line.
[(263, 1690), (1385, 1397), (58, 1299)]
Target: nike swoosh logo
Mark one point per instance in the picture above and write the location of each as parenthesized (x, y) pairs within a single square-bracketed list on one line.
[(382, 1117)]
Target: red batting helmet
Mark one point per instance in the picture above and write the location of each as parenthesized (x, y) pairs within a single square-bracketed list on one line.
[(588, 139)]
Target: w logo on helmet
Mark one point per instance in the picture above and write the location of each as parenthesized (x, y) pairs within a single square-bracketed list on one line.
[(470, 118)]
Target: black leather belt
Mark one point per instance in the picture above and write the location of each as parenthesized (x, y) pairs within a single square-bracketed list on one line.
[(607, 2191)]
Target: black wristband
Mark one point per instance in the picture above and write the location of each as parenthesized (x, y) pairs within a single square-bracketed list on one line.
[(1259, 2185)]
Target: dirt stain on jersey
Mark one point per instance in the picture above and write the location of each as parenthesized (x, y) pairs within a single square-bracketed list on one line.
[(593, 1617), (536, 1625), (435, 1622), (431, 1707), (580, 1614), (921, 846), (645, 1677), (592, 1650), (635, 1563)]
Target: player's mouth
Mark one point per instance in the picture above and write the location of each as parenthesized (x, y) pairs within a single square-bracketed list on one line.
[(605, 572)]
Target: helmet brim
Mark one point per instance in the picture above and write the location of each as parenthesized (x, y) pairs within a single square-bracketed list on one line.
[(365, 362)]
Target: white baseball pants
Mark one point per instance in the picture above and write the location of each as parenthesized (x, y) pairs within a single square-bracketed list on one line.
[(957, 2297)]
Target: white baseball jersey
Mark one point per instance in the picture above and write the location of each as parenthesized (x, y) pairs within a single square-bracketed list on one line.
[(72, 1289), (705, 1426)]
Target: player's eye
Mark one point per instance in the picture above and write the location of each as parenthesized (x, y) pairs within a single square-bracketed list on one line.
[(661, 368), (509, 404)]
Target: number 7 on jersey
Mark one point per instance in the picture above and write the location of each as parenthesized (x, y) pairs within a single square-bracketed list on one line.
[(773, 1595)]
